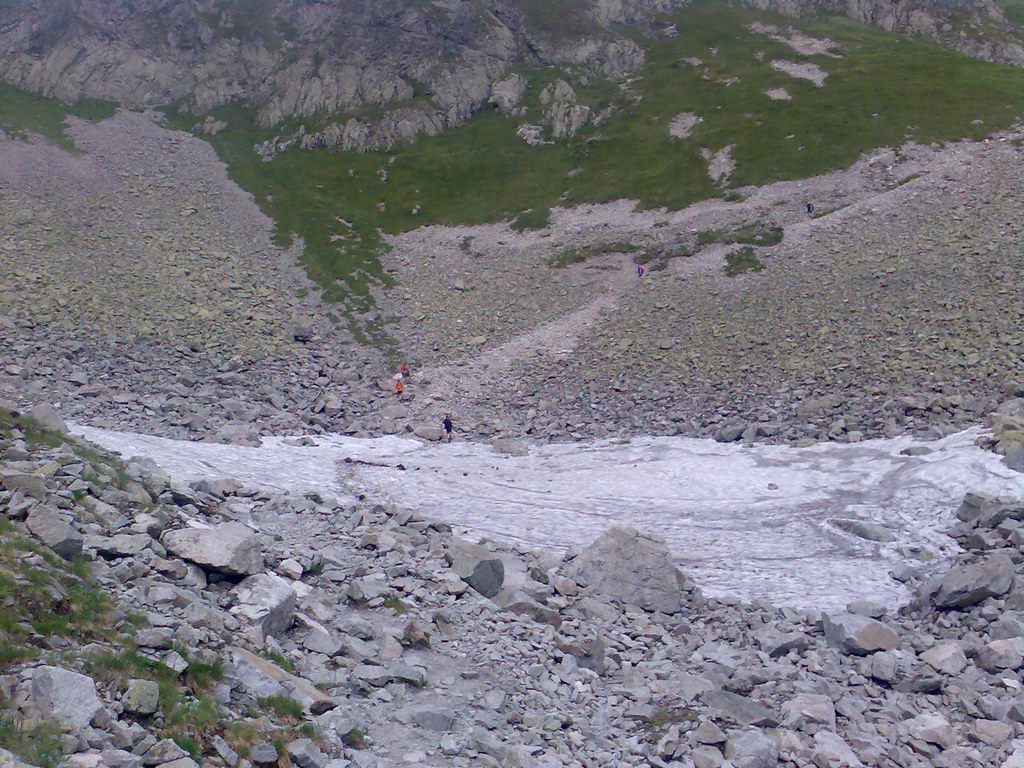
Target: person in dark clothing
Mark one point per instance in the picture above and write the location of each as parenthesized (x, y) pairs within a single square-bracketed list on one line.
[(639, 270), (810, 209), (447, 424)]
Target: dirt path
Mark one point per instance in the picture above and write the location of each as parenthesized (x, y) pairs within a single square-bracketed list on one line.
[(455, 386)]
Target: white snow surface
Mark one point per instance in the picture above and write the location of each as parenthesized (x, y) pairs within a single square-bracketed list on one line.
[(746, 521)]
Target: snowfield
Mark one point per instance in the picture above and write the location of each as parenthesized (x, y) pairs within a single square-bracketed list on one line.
[(746, 521)]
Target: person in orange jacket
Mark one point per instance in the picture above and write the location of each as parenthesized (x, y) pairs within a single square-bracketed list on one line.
[(399, 389)]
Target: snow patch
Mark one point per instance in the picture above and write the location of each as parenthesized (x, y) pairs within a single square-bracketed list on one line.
[(748, 521), (682, 125), (804, 70)]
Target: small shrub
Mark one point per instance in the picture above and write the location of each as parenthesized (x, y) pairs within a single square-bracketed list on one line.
[(356, 739), (743, 260)]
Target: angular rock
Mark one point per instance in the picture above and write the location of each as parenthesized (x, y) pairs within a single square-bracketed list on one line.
[(809, 711), (964, 586), (830, 751), (306, 754), (751, 749), (948, 658), (66, 698), (48, 417), (858, 635), (260, 677), (52, 529), (934, 729), (267, 601), (141, 698), (739, 709), (229, 548), (483, 570), (631, 568)]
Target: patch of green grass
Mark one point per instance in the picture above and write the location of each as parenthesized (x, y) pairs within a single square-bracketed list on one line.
[(278, 658), (395, 604), (357, 738), (579, 254), (883, 91), (1013, 10), (749, 235), (39, 746), (23, 113), (281, 706), (743, 260), (532, 218)]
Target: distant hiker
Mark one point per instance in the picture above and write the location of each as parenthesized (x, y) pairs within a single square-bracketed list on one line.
[(404, 370), (447, 424), (399, 389), (639, 270), (810, 209)]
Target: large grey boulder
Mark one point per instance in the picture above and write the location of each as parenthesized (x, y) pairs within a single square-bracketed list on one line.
[(229, 548), (751, 749), (482, 569), (52, 529), (48, 417), (739, 708), (630, 567), (266, 601), (261, 678), (830, 751), (142, 697), (65, 698), (964, 586), (858, 635)]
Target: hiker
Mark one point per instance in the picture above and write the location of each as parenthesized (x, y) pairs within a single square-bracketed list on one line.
[(447, 424), (639, 270), (810, 209), (404, 370), (399, 389)]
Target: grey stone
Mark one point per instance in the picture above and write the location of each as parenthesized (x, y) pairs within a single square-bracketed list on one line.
[(433, 718), (509, 447), (948, 658), (831, 751), (964, 586), (53, 530), (858, 635), (810, 712), (933, 729), (66, 698), (142, 697), (48, 417), (164, 751), (483, 570), (306, 754), (751, 749), (263, 753), (740, 709), (267, 601), (864, 529), (260, 678), (230, 548), (631, 568), (1001, 654)]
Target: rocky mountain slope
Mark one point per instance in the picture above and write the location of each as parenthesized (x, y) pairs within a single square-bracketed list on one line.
[(149, 623), (366, 74)]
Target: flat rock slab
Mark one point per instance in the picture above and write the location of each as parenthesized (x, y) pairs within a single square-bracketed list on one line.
[(229, 548)]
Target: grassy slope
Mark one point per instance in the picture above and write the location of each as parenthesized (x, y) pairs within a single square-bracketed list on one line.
[(22, 113), (883, 91)]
